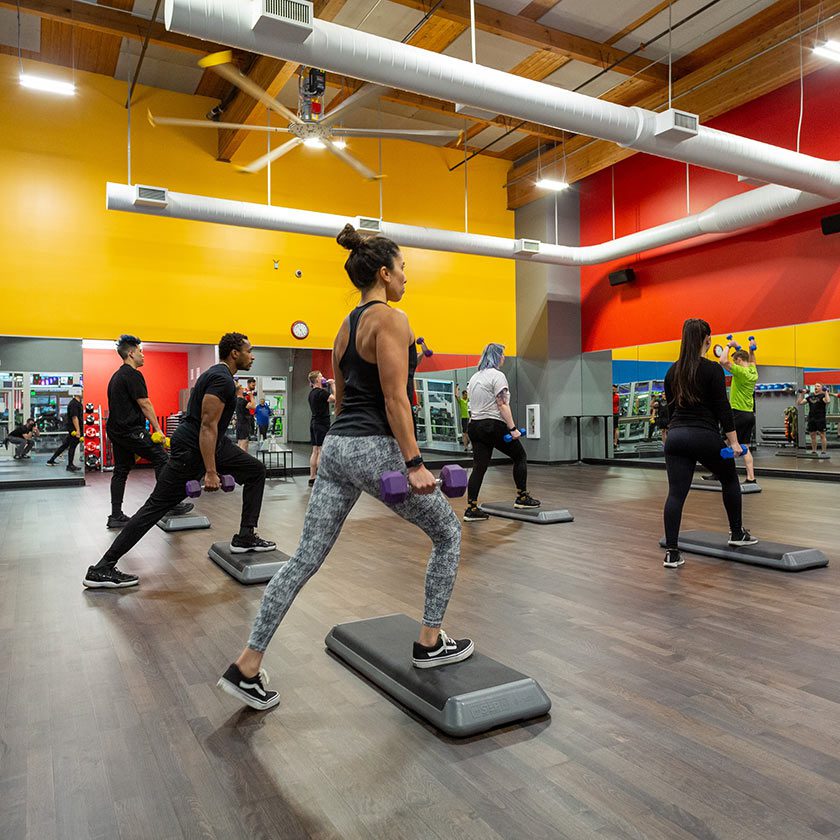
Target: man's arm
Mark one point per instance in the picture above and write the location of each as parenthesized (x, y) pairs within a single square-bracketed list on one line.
[(724, 361), (211, 411), (149, 413), (338, 385), (77, 425)]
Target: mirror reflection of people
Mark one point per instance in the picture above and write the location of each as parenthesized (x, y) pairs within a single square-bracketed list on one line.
[(740, 364), (464, 413), (816, 423), (695, 388), (74, 430), (22, 438), (242, 415), (262, 415), (321, 395), (490, 420), (616, 400)]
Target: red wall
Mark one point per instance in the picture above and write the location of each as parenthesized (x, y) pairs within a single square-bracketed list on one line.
[(165, 373), (787, 273)]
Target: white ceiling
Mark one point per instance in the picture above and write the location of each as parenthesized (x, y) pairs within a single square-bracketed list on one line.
[(379, 17), (30, 30), (161, 68), (490, 50)]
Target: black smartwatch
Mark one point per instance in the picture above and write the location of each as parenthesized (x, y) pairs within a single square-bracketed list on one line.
[(416, 461), (512, 429)]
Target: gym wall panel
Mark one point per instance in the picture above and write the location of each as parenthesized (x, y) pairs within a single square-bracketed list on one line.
[(783, 274), (98, 273), (165, 372)]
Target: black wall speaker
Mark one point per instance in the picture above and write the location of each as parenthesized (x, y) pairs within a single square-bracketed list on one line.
[(830, 224), (626, 275)]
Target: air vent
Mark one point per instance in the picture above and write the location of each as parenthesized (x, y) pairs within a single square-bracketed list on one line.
[(289, 20), (676, 125), (526, 246), (150, 196), (365, 224)]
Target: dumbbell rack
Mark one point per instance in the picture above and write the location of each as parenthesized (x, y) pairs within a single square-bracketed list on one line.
[(94, 438)]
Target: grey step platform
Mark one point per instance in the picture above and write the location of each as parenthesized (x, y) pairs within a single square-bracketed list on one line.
[(249, 567), (461, 699), (787, 558), (187, 522), (539, 515), (715, 485)]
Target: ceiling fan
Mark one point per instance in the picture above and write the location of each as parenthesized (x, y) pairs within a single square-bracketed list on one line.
[(310, 126)]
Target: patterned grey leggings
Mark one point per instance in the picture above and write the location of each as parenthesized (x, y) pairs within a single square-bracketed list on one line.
[(348, 466)]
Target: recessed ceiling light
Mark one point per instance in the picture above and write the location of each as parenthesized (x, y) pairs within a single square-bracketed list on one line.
[(551, 184), (49, 85), (340, 142), (314, 143)]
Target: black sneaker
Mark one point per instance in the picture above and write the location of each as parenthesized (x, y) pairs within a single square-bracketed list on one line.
[(239, 545), (180, 510), (311, 482), (73, 468), (250, 690), (108, 579), (744, 538), (117, 521), (524, 500), (445, 652), (750, 481), (474, 513), (51, 463), (673, 559)]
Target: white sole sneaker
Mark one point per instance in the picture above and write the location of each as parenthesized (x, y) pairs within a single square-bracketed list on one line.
[(238, 550), (466, 653), (234, 691), (676, 565), (103, 584)]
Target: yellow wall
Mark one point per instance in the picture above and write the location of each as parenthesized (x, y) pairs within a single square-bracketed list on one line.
[(92, 273), (814, 345)]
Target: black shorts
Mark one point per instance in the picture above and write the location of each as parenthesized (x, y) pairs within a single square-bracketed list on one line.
[(816, 425), (744, 425), (317, 433), (243, 431), (465, 421), (615, 420)]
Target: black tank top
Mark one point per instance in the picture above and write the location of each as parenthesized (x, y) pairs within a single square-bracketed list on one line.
[(363, 403)]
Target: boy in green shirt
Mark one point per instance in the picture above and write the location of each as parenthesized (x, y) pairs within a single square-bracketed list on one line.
[(741, 367)]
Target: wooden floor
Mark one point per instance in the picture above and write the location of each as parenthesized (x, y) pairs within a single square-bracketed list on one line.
[(700, 703)]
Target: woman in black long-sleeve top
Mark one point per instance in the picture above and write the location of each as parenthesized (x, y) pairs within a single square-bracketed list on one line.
[(695, 389)]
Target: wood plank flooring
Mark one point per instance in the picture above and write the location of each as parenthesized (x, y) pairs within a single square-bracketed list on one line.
[(699, 703)]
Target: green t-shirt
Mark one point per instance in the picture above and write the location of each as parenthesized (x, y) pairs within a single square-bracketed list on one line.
[(742, 389), (464, 405)]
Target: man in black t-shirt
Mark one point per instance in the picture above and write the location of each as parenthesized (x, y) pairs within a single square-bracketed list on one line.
[(23, 439), (244, 403), (817, 403), (321, 394), (199, 448), (73, 427), (129, 407)]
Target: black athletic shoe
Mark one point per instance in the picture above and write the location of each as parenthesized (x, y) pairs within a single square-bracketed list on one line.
[(744, 538), (750, 481), (25, 457), (108, 579), (311, 482), (239, 545), (250, 690), (445, 652), (73, 468), (180, 510), (673, 559), (117, 521), (51, 464), (474, 513), (524, 500)]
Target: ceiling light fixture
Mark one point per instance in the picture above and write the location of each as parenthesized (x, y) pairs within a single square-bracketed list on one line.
[(339, 143), (49, 85), (314, 143), (830, 49), (552, 184)]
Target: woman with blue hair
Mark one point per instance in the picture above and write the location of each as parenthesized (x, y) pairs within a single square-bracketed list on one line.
[(490, 420)]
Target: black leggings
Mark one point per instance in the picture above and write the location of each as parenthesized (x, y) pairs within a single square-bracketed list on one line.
[(485, 435), (70, 443), (186, 464), (684, 447)]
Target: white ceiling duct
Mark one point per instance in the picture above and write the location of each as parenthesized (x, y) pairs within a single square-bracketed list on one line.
[(382, 61), (727, 217)]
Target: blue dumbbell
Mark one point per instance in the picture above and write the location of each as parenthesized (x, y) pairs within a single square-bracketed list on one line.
[(734, 343), (508, 437), (729, 452), (753, 345)]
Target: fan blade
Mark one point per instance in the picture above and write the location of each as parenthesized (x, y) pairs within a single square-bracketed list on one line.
[(408, 133), (222, 64), (355, 100), (366, 173), (274, 154), (156, 121)]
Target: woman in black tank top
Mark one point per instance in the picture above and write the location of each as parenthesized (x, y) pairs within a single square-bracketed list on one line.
[(374, 357)]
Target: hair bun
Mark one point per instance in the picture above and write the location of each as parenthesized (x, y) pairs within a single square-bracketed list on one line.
[(349, 238)]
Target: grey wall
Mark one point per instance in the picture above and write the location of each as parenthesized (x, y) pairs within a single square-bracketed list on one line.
[(59, 355), (550, 368)]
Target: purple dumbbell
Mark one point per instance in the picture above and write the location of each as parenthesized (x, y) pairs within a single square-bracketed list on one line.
[(194, 488), (393, 485), (426, 351)]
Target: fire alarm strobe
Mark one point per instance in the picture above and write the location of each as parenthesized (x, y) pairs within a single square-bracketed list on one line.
[(300, 330)]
